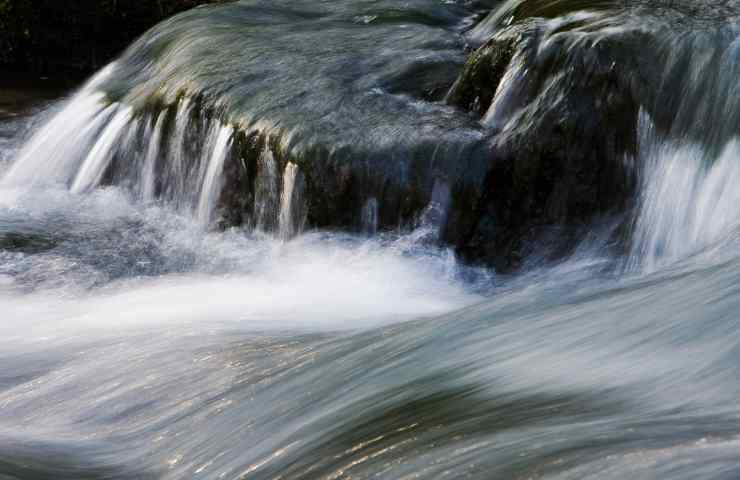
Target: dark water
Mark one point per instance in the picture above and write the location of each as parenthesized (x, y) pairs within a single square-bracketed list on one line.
[(138, 342)]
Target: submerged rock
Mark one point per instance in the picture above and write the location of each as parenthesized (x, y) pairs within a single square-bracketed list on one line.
[(23, 242)]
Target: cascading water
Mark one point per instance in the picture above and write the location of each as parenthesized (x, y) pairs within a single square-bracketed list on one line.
[(687, 203), (183, 170), (690, 167), (266, 191), (292, 207), (226, 255)]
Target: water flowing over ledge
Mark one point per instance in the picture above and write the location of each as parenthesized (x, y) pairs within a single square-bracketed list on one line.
[(210, 110), (235, 253)]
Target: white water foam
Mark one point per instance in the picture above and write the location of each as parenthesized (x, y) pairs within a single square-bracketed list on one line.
[(315, 282), (688, 200)]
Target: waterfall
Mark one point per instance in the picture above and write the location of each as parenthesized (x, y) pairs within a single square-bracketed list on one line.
[(172, 155), (688, 201), (148, 176), (174, 174), (292, 203), (50, 151), (54, 153), (690, 168), (212, 178), (102, 152), (266, 191)]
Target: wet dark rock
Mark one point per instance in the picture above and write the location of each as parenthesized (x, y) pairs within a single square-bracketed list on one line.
[(566, 134), (560, 136), (354, 101), (535, 140), (476, 86)]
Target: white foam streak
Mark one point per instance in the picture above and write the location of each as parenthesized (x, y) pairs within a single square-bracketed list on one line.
[(148, 176), (292, 209), (101, 154), (688, 202), (212, 179), (57, 148), (266, 194), (155, 156), (175, 175), (310, 284), (53, 153)]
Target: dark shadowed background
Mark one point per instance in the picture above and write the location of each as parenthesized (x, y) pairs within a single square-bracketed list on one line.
[(72, 38)]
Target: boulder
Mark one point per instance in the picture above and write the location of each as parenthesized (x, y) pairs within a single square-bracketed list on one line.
[(565, 123)]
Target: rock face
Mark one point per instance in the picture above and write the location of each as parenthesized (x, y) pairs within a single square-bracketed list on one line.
[(565, 125)]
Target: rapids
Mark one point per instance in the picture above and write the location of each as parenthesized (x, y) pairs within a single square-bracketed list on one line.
[(148, 333)]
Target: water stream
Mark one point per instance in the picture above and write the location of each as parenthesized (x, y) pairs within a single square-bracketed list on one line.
[(144, 334)]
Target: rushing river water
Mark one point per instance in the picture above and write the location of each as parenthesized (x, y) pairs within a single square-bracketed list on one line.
[(138, 341)]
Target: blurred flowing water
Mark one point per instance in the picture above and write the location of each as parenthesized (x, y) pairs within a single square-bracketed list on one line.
[(138, 341)]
